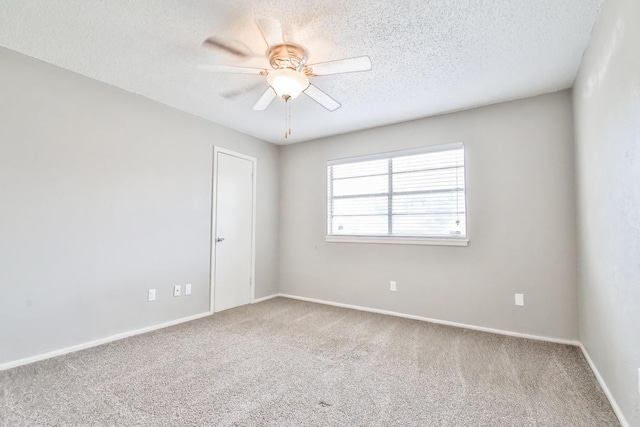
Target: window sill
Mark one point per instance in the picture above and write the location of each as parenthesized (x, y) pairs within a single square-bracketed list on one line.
[(399, 240)]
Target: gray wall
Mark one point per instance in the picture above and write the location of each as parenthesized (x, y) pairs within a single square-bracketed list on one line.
[(607, 118), (520, 193), (104, 194)]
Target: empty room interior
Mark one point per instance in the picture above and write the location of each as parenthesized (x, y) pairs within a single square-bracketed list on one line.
[(371, 213)]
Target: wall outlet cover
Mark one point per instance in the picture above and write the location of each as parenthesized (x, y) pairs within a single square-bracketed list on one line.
[(177, 290), (392, 286), (520, 299), (187, 289), (151, 295)]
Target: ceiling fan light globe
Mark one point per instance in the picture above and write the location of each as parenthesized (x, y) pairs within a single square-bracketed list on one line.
[(287, 82)]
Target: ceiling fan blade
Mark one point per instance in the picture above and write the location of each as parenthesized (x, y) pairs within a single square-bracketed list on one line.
[(234, 48), (321, 98), (264, 101), (271, 31), (230, 94), (232, 69), (349, 65)]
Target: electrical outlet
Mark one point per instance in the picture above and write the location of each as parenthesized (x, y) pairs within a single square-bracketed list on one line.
[(392, 286), (151, 296), (520, 299), (177, 290), (187, 289)]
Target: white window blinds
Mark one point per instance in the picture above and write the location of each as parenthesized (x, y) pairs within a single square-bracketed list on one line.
[(414, 193)]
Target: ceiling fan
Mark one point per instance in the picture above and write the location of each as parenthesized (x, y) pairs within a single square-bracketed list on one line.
[(289, 76)]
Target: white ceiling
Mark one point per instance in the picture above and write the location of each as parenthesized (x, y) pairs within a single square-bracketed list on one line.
[(429, 57)]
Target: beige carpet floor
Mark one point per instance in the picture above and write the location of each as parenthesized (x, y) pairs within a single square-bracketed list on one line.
[(290, 363)]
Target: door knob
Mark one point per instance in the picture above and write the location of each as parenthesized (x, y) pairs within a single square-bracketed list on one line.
[(220, 239)]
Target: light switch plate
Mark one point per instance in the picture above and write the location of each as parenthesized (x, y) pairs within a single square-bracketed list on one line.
[(151, 296), (177, 290), (187, 289), (520, 299), (392, 286)]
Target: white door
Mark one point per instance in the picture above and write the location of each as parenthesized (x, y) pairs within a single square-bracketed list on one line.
[(233, 232)]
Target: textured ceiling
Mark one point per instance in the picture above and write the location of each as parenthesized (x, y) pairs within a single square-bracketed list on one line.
[(429, 57)]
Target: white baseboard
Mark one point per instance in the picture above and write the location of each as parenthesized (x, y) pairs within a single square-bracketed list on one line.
[(268, 297), (48, 355), (67, 350), (440, 322), (605, 389)]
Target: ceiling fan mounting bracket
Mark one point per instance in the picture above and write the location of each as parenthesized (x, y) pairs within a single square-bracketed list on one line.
[(287, 55)]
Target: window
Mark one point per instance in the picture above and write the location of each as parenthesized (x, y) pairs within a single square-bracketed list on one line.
[(411, 196)]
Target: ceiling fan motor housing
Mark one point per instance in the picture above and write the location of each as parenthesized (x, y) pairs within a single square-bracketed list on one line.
[(287, 55)]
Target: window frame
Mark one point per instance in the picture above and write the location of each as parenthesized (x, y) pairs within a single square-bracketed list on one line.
[(390, 239)]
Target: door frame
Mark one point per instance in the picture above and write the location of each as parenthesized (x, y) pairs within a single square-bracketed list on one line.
[(214, 206)]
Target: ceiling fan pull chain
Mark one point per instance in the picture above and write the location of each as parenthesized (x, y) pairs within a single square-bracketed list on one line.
[(287, 112), (287, 116), (286, 119)]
